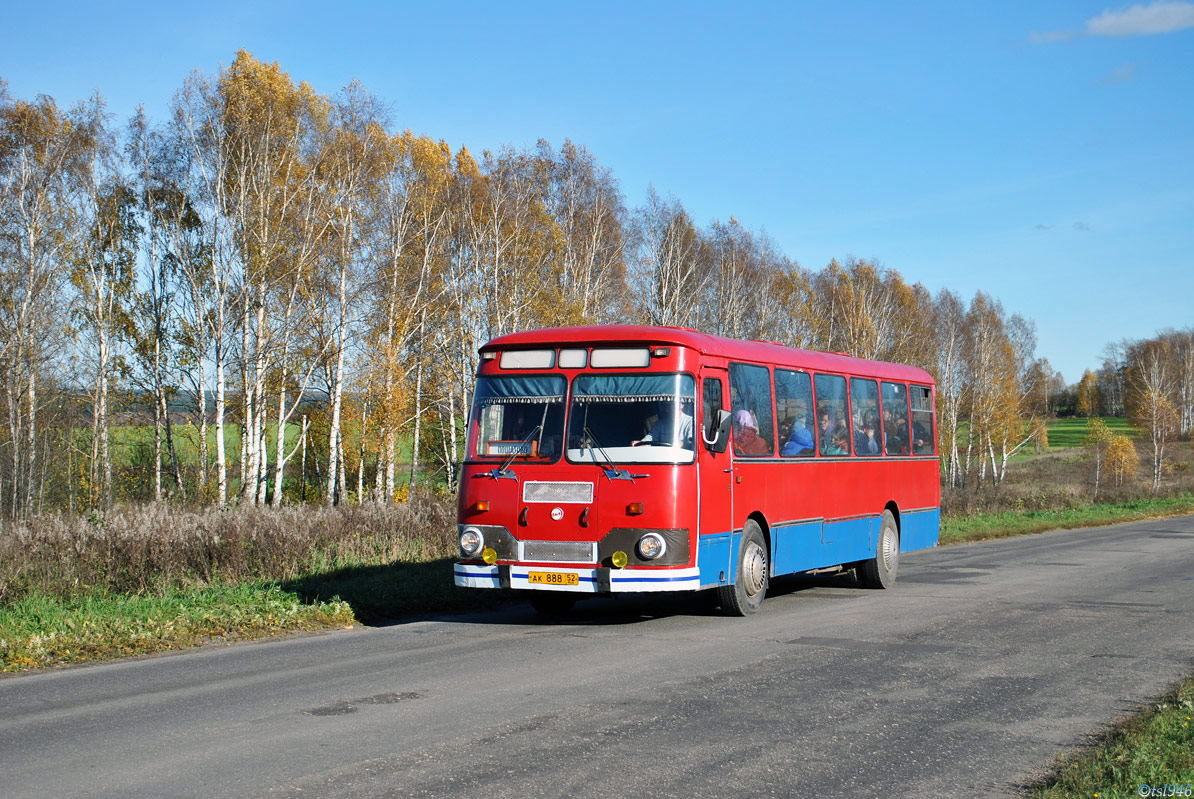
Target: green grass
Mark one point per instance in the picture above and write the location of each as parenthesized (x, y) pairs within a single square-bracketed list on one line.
[(1009, 523), (1071, 431), (1154, 748), (126, 438), (40, 630)]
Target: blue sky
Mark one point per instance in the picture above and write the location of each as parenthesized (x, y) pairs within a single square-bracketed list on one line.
[(1043, 152)]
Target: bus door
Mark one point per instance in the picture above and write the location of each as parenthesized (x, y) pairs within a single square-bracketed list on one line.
[(715, 492)]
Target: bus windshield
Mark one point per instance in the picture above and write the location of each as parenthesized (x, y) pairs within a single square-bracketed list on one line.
[(521, 417), (642, 418)]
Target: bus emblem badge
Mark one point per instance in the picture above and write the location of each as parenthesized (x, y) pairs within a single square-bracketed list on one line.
[(557, 513)]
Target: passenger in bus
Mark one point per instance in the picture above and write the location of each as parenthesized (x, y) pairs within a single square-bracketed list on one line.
[(800, 440), (841, 439), (865, 442), (897, 443), (922, 441), (666, 427), (746, 435), (832, 442)]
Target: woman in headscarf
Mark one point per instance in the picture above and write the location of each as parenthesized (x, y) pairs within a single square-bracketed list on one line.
[(747, 440)]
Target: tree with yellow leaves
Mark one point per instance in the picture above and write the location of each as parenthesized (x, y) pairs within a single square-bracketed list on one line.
[(1095, 445), (1148, 404), (1087, 395), (1122, 460)]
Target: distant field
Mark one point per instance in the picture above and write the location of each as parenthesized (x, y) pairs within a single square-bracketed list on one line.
[(1070, 432), (126, 438)]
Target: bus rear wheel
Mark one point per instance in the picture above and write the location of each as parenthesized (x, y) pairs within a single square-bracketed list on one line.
[(745, 595), (880, 571), (552, 603)]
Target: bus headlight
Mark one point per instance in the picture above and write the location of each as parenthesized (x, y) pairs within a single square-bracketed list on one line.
[(651, 546), (471, 541)]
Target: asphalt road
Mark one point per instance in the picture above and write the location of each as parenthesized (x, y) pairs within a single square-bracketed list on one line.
[(967, 679)]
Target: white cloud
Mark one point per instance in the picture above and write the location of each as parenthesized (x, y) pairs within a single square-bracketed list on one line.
[(1121, 74), (1143, 20), (1164, 16)]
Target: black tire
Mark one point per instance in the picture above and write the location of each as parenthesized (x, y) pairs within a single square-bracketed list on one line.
[(552, 603), (880, 571), (745, 595)]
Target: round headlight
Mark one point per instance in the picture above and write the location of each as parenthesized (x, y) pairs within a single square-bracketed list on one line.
[(471, 541), (651, 546)]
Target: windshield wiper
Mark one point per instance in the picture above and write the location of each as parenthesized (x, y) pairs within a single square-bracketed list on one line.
[(609, 468), (503, 472)]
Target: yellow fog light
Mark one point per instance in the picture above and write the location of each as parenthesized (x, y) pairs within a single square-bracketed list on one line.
[(489, 555), (618, 559)]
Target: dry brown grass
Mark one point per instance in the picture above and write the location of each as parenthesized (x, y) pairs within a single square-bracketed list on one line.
[(1061, 480), (148, 548)]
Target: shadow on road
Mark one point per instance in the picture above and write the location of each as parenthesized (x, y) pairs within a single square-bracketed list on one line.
[(400, 593)]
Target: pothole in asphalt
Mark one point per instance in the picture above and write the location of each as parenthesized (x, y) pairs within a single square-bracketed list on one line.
[(352, 705)]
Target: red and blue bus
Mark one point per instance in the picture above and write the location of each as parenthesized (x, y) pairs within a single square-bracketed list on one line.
[(627, 459)]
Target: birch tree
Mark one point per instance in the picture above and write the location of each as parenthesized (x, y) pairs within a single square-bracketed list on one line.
[(39, 148)]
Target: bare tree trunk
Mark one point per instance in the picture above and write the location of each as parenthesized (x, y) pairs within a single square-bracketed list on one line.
[(221, 407), (361, 453), (303, 490), (203, 454), (334, 445), (158, 405), (414, 454), (31, 441)]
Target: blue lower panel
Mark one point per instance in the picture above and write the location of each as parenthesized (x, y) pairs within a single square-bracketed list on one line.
[(816, 545), (918, 530), (795, 546), (847, 541), (713, 558)]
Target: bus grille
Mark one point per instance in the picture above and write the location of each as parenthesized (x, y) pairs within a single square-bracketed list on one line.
[(544, 491), (559, 551)]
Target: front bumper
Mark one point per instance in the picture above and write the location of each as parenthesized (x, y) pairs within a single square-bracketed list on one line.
[(591, 581)]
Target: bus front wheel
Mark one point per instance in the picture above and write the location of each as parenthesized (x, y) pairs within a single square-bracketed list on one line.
[(745, 595), (880, 571)]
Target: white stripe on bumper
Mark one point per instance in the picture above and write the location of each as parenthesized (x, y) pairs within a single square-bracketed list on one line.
[(621, 580)]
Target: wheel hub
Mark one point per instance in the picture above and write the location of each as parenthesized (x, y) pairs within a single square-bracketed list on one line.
[(891, 549), (754, 569)]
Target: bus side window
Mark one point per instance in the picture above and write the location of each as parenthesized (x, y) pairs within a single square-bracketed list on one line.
[(711, 392), (793, 401), (923, 438), (833, 420), (754, 428), (894, 397), (864, 401)]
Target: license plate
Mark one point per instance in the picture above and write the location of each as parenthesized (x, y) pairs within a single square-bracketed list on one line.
[(553, 578)]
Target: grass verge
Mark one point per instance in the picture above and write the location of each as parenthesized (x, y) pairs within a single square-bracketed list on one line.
[(980, 526), (40, 630), (1154, 748)]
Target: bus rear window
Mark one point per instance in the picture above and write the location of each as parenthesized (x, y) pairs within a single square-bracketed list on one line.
[(923, 438)]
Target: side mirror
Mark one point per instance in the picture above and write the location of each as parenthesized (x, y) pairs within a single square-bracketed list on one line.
[(720, 430)]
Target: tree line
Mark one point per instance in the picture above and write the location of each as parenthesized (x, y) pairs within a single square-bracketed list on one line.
[(270, 258), (1151, 381)]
